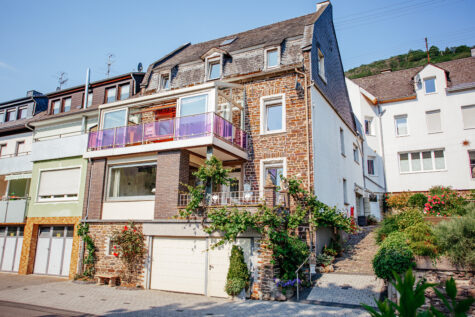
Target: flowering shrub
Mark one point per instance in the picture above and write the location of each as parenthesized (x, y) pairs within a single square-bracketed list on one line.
[(443, 202), (398, 201), (129, 246), (287, 283)]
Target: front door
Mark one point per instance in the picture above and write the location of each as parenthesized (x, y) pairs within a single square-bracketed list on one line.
[(53, 250)]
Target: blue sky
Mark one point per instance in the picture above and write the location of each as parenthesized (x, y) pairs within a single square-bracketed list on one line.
[(38, 39)]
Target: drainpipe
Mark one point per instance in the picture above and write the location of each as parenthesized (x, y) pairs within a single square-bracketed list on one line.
[(86, 89), (83, 124), (83, 246), (381, 141)]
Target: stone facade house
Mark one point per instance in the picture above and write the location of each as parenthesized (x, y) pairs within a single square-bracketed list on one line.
[(267, 102)]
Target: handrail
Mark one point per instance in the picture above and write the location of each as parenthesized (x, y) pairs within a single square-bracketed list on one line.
[(25, 153), (58, 136), (297, 274)]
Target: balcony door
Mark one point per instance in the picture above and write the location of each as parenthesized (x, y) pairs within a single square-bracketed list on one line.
[(193, 121), (231, 193)]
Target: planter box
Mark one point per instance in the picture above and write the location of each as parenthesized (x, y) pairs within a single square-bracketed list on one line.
[(436, 220), (442, 264)]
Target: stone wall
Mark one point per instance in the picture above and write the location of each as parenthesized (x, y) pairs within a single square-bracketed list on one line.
[(106, 262)]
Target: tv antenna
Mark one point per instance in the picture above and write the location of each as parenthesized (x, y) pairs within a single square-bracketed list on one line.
[(109, 63), (62, 79)]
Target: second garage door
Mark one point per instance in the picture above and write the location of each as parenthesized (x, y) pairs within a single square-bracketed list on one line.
[(185, 265)]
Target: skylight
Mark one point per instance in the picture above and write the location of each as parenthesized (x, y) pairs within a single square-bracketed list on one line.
[(228, 41)]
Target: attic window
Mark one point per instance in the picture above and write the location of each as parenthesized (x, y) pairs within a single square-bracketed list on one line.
[(321, 65), (214, 69), (228, 41), (272, 57)]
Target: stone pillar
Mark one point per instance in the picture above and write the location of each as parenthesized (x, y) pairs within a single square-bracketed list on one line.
[(270, 194), (264, 286), (172, 170)]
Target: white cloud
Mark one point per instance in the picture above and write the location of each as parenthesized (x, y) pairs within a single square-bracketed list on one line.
[(5, 65)]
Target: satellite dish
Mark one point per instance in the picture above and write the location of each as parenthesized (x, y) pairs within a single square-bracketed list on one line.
[(139, 67)]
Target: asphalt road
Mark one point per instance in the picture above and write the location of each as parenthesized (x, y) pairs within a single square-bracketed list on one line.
[(9, 309)]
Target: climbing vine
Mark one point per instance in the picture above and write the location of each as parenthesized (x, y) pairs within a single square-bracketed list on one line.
[(277, 225), (90, 259), (130, 248)]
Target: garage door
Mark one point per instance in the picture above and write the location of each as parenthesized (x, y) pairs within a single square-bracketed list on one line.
[(53, 251), (185, 265), (11, 241), (179, 265)]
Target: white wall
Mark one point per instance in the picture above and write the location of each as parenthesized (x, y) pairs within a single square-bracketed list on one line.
[(9, 163), (330, 166), (11, 141), (457, 172), (128, 210)]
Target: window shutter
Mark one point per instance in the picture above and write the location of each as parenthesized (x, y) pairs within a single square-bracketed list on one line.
[(59, 182), (468, 113), (433, 121)]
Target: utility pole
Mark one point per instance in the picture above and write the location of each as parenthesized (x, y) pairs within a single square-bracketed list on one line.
[(427, 50), (109, 63), (61, 80)]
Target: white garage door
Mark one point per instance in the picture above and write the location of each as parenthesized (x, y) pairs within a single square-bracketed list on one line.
[(179, 265), (11, 241), (185, 265), (53, 251)]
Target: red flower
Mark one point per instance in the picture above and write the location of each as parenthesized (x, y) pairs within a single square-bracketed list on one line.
[(115, 247), (125, 228), (135, 230), (116, 254)]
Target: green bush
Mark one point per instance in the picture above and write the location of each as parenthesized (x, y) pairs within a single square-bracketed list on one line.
[(409, 217), (422, 240), (388, 225), (289, 253), (393, 255), (238, 273), (456, 238), (417, 201), (324, 259)]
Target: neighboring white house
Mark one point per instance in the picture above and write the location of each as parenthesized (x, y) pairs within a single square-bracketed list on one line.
[(427, 118)]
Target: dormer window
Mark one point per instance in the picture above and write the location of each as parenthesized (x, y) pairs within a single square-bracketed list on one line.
[(56, 107), (22, 112), (124, 92), (429, 84), (165, 81), (214, 69), (110, 94), (10, 115), (321, 65), (66, 104), (272, 58)]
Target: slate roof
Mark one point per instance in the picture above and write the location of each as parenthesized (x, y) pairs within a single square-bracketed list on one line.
[(268, 35), (400, 84)]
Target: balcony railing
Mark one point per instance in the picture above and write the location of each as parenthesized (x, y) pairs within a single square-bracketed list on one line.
[(235, 198), (13, 209), (173, 129)]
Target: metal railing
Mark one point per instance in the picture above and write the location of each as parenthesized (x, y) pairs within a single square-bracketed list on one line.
[(13, 209), (234, 198), (57, 136), (297, 274), (15, 154), (172, 129)]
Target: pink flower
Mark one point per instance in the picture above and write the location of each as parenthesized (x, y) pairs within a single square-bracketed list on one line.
[(116, 254)]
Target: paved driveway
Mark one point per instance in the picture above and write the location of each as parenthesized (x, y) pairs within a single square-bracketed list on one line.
[(106, 301)]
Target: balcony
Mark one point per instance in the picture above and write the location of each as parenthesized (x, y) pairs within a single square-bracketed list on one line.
[(234, 198), (59, 146), (169, 130), (13, 209), (15, 163)]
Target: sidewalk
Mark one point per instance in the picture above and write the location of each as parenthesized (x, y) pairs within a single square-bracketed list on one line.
[(106, 301)]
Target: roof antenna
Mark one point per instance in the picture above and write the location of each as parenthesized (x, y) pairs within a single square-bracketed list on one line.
[(427, 50), (109, 63), (62, 79)]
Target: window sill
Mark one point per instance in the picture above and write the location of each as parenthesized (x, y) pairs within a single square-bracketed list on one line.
[(438, 132), (273, 132), (322, 77), (430, 93), (47, 201), (422, 172), (343, 154), (122, 200), (402, 136)]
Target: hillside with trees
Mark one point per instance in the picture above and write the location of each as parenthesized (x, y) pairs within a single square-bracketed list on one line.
[(413, 58)]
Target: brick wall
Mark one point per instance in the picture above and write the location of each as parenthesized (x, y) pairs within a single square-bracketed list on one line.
[(96, 192), (106, 262), (172, 171)]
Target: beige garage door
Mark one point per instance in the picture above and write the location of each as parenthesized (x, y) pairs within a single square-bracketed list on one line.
[(178, 265)]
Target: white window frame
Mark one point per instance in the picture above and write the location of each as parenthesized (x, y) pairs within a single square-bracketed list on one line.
[(14, 116), (356, 153), (345, 192), (2, 116), (209, 101), (277, 48), (269, 100), (409, 157), (435, 85), (106, 95), (160, 81), (270, 162), (215, 58), (91, 96), (472, 174), (128, 198), (407, 125), (321, 65), (119, 92), (103, 114), (19, 112), (342, 142), (61, 199)]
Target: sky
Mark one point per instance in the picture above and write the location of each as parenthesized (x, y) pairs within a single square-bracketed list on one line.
[(41, 39)]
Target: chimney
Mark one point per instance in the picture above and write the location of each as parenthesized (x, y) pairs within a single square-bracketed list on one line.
[(32, 93), (473, 52)]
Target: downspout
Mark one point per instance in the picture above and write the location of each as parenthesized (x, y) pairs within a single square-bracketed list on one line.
[(380, 114), (306, 86), (83, 245)]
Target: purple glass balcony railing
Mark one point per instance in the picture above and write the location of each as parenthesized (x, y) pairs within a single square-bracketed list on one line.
[(172, 129)]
